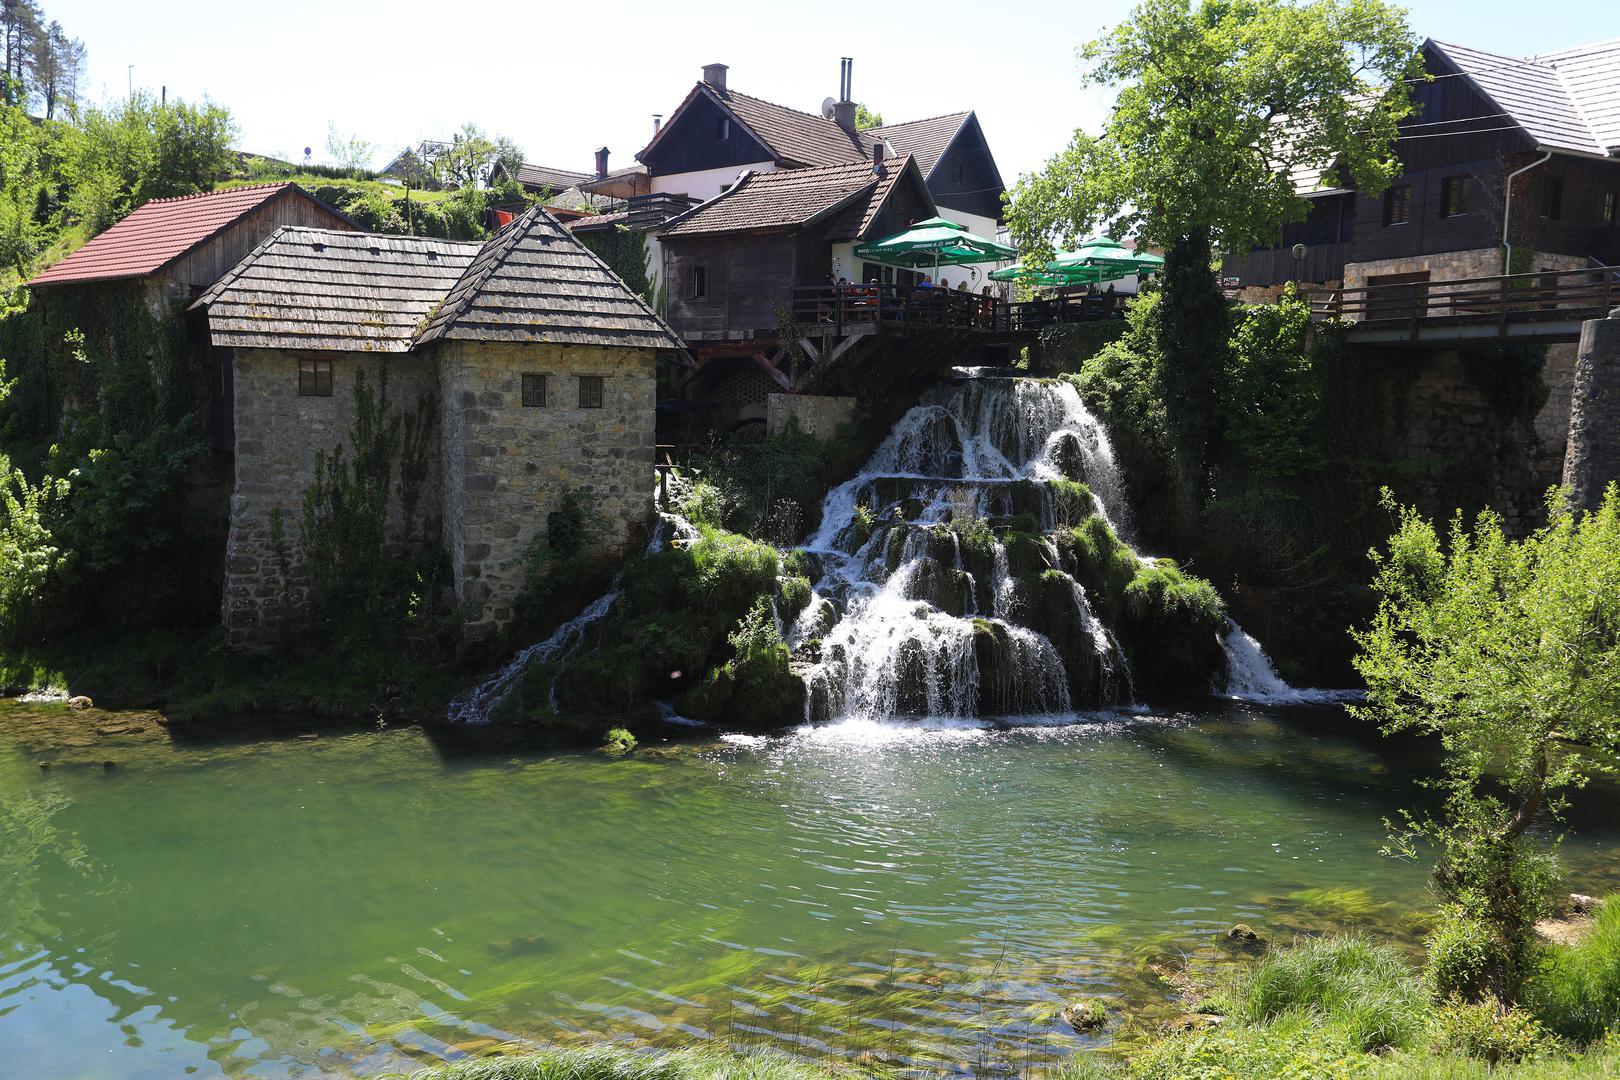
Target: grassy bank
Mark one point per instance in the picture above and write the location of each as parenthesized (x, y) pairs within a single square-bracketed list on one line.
[(1329, 1008)]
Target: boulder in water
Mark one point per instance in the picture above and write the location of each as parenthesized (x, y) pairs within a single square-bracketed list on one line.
[(80, 703), (1087, 1014), (1243, 936)]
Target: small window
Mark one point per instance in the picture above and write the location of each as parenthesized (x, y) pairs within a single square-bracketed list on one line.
[(534, 391), (722, 129), (1610, 198), (314, 378), (1398, 204), (590, 391), (1552, 197), (697, 281), (1455, 192)]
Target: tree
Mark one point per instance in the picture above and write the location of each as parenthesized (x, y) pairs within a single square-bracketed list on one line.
[(465, 163), (1218, 104), (353, 153), (1509, 652), (58, 69), (866, 119), (19, 30)]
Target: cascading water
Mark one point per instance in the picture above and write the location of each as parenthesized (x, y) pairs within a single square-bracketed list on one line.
[(1250, 676), (906, 621), (920, 609)]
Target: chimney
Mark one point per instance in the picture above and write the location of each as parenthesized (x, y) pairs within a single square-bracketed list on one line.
[(844, 115), (601, 162), (715, 76), (658, 122), (877, 160)]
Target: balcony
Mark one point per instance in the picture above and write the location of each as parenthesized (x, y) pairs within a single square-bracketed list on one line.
[(650, 211)]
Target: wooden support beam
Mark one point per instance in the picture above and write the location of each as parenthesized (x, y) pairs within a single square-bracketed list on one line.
[(771, 370)]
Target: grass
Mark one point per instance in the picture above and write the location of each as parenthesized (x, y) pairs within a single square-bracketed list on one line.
[(1576, 993), (615, 1063)]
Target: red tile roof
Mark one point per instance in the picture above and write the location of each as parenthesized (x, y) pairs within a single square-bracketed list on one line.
[(159, 232)]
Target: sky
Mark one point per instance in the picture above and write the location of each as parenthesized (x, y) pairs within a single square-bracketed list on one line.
[(564, 79)]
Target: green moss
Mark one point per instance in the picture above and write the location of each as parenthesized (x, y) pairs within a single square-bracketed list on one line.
[(792, 597), (619, 741)]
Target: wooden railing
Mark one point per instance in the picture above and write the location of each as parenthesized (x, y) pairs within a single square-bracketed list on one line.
[(651, 211), (846, 309), (1034, 314), (1556, 295)]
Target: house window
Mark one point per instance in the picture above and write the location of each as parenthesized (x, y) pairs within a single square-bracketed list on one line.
[(697, 281), (1398, 205), (314, 378), (1552, 197), (722, 129), (1455, 192), (534, 391), (1609, 200), (590, 391)]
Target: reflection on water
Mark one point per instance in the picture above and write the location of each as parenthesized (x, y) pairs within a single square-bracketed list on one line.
[(352, 904)]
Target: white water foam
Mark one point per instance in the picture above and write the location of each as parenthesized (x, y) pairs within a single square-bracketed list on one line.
[(1250, 676)]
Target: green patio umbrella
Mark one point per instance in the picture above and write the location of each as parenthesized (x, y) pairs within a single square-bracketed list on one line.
[(1102, 253), (935, 242), (1045, 277)]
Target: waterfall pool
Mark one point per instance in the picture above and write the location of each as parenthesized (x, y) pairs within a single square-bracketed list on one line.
[(356, 904)]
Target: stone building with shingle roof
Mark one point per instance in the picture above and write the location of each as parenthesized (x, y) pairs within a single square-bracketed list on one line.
[(534, 362)]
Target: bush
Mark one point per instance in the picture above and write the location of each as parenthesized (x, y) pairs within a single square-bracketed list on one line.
[(1488, 1030), (1576, 991), (757, 687)]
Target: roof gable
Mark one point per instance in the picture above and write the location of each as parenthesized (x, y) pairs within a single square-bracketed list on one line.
[(926, 140), (1534, 96), (856, 219), (323, 289), (791, 137), (793, 199), (534, 282), (1591, 78), (159, 232)]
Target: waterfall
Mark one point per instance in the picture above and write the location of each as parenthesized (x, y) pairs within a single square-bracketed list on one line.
[(904, 622), (1250, 676)]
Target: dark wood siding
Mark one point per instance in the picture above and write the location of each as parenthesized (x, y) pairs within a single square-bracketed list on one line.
[(748, 276), (965, 178), (690, 144)]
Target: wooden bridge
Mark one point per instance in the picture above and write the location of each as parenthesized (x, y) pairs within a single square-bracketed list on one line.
[(1539, 308)]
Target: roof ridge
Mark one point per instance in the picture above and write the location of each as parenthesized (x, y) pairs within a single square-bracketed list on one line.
[(352, 234), (921, 120), (1590, 46), (497, 248), (216, 191)]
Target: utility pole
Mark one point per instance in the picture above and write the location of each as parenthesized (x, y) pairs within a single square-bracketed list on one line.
[(131, 95)]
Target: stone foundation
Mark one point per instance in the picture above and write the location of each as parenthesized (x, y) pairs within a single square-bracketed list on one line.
[(816, 414), (1593, 459)]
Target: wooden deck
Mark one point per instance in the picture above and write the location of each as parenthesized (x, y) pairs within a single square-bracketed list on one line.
[(1541, 308)]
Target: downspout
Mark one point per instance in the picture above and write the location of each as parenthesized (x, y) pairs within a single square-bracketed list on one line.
[(1507, 210)]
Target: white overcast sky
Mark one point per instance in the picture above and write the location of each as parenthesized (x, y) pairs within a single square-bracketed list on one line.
[(563, 79)]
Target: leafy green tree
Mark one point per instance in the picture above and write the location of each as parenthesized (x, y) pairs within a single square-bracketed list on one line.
[(866, 119), (465, 163), (351, 153), (1218, 104), (1509, 652)]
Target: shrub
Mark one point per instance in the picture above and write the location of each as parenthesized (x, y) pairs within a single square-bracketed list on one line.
[(1072, 503), (792, 596), (1487, 1030), (703, 504), (619, 741), (1576, 992), (29, 554)]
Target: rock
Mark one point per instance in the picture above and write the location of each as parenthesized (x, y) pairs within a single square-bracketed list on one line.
[(1581, 904), (1244, 936), (80, 702), (1087, 1014)]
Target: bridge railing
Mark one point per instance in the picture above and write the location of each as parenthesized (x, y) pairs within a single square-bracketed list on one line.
[(1547, 296), (846, 309)]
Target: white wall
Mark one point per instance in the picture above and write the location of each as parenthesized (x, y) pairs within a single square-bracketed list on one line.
[(705, 184)]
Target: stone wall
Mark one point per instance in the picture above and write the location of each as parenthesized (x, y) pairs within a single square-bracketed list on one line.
[(507, 466), (1593, 459), (1453, 266), (817, 414), (277, 434)]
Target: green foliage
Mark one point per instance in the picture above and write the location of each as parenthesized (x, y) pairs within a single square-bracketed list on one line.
[(1509, 652), (1196, 122), (768, 488), (1576, 991), (29, 554), (1489, 1031), (625, 251), (370, 563), (607, 1062), (1270, 402), (755, 688), (1162, 593), (1364, 989), (865, 118), (792, 596), (1072, 502), (619, 741), (562, 566)]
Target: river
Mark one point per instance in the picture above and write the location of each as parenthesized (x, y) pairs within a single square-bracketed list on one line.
[(351, 904)]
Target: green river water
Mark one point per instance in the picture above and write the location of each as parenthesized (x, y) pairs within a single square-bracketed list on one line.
[(357, 904)]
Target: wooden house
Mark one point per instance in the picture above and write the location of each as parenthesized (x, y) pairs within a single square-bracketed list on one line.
[(540, 360), (1554, 119)]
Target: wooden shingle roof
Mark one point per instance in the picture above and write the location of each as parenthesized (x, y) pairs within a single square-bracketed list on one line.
[(321, 289), (794, 138), (534, 282), (792, 199), (161, 231), (1568, 100)]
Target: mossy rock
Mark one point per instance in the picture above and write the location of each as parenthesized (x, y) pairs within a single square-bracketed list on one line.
[(1171, 625), (792, 597)]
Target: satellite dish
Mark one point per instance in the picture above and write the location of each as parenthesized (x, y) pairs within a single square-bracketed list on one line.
[(1300, 251), (828, 108)]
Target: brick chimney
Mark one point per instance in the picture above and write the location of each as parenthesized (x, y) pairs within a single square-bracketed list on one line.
[(601, 161), (877, 160), (715, 76)]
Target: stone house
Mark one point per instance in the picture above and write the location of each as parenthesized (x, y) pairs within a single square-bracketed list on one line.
[(539, 361)]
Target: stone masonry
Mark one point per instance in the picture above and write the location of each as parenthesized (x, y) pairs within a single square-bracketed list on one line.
[(817, 414), (507, 466), (277, 434), (1592, 461)]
